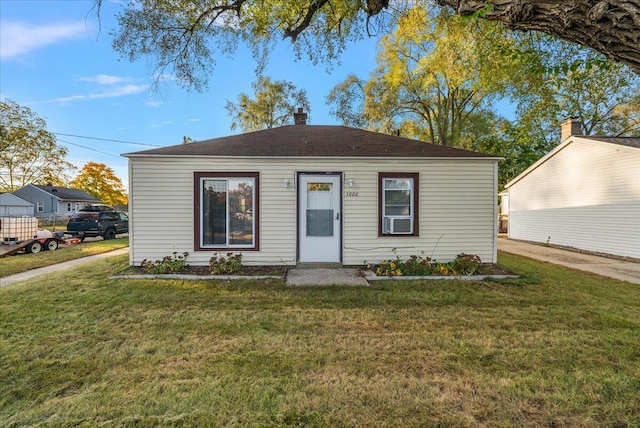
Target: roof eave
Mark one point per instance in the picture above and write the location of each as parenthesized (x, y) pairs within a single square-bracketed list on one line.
[(136, 155)]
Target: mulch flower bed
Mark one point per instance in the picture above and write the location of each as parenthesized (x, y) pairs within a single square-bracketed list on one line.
[(206, 271)]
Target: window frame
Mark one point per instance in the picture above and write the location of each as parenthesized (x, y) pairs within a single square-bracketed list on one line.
[(415, 202), (40, 206), (198, 178)]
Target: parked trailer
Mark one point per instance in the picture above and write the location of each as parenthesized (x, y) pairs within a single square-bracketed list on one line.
[(21, 235)]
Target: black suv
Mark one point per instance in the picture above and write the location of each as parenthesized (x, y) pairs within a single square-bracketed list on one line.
[(107, 224)]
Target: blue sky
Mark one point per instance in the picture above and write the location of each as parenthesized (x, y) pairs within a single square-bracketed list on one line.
[(55, 60)]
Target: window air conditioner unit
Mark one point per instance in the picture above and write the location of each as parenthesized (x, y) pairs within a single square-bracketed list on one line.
[(398, 225)]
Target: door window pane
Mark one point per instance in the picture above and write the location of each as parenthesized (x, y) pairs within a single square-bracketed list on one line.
[(319, 209), (318, 187), (319, 222)]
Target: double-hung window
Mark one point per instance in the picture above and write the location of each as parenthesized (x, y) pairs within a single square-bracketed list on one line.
[(398, 195), (226, 210)]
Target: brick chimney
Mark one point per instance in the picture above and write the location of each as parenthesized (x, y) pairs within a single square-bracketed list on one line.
[(300, 118), (569, 127)]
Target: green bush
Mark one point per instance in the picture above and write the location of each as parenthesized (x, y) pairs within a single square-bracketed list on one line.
[(221, 265), (169, 264), (464, 264)]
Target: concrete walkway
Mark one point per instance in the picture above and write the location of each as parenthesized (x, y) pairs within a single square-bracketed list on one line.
[(58, 267), (612, 268), (325, 276)]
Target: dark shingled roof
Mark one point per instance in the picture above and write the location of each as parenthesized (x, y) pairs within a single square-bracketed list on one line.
[(68, 194), (312, 141), (623, 141)]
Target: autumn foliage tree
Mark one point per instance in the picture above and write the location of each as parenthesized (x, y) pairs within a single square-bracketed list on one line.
[(28, 152), (274, 105), (603, 95), (99, 180), (436, 79)]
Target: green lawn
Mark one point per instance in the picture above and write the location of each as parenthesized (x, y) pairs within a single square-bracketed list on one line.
[(11, 265), (554, 348)]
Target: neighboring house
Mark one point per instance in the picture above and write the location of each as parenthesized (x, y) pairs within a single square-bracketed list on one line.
[(312, 194), (584, 194), (53, 200), (13, 206)]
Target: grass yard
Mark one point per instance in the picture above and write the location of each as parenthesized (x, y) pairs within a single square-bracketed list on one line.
[(11, 265), (554, 348)]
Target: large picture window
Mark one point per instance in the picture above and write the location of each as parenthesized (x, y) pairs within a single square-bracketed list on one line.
[(226, 211), (398, 196)]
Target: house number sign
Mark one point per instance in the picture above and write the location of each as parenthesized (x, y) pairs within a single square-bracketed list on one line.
[(351, 194)]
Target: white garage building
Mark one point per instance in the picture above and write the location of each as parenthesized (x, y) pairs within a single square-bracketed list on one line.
[(584, 194)]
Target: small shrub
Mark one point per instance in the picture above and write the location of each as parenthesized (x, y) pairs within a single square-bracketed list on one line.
[(464, 264), (389, 268), (418, 266), (169, 264), (221, 265)]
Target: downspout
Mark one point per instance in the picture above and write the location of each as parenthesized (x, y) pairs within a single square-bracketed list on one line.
[(495, 211), (130, 211)]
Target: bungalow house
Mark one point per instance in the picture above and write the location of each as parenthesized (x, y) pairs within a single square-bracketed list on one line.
[(312, 194), (54, 200), (583, 194), (13, 206)]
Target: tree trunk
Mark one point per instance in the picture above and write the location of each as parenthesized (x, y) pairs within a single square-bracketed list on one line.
[(611, 27)]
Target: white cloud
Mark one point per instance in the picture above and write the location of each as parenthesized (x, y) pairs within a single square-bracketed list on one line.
[(107, 87), (121, 91), (104, 79), (152, 103), (159, 124), (17, 38)]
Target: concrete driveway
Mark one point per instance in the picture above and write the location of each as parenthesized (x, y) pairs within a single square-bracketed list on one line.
[(605, 266)]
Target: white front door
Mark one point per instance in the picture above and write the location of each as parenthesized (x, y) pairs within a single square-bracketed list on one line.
[(319, 218)]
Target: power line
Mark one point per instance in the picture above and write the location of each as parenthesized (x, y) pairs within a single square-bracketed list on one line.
[(106, 139), (89, 148)]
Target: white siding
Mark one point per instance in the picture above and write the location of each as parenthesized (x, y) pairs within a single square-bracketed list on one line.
[(586, 196), (457, 208)]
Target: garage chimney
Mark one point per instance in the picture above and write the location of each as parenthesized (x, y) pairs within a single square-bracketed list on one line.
[(300, 118), (569, 127)]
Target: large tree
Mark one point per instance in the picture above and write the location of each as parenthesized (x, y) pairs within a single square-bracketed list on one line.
[(274, 105), (100, 180), (28, 152), (184, 37), (436, 78), (515, 143), (611, 27), (604, 95)]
